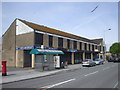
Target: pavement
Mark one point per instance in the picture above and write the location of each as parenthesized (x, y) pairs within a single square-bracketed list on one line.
[(19, 74)]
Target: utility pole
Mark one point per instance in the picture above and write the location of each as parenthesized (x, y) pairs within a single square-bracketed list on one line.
[(104, 44)]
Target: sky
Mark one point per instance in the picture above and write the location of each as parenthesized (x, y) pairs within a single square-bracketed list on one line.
[(71, 17)]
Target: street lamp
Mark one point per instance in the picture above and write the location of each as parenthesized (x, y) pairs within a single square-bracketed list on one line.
[(104, 42)]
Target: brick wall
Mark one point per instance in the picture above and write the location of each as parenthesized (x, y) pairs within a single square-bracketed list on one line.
[(64, 43), (55, 42), (24, 40), (45, 40), (83, 46), (71, 44), (78, 45), (19, 58), (8, 45)]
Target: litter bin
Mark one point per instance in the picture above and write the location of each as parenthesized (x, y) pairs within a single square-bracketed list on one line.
[(4, 70)]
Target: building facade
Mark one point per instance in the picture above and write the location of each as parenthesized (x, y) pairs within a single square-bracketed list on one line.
[(23, 36)]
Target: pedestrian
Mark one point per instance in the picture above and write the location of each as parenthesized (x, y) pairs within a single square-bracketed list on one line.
[(62, 64), (66, 64)]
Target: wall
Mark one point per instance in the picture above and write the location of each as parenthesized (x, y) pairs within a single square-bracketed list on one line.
[(78, 45), (24, 35), (8, 45), (71, 44), (0, 53), (22, 28), (55, 42), (24, 40), (90, 47), (83, 46), (19, 58), (64, 43), (45, 40)]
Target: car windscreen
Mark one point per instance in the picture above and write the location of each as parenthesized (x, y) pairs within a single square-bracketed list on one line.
[(85, 60), (97, 60)]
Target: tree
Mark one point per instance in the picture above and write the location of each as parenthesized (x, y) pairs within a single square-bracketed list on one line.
[(115, 49)]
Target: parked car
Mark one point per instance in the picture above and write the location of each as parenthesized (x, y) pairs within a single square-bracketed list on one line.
[(111, 59), (114, 59), (99, 61), (117, 59), (88, 62)]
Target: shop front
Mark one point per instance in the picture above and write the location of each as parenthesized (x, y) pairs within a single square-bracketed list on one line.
[(88, 55), (44, 59), (78, 57), (66, 57)]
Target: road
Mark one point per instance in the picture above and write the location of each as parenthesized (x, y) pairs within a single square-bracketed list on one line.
[(100, 76)]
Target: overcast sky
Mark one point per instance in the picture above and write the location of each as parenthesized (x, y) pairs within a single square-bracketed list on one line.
[(72, 17)]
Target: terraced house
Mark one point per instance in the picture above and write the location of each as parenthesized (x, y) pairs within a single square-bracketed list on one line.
[(26, 44)]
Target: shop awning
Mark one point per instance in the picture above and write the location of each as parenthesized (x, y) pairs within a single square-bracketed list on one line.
[(44, 51)]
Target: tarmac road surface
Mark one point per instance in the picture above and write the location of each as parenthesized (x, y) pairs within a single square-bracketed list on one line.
[(100, 76)]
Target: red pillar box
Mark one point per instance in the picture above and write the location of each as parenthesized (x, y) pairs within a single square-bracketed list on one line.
[(4, 68)]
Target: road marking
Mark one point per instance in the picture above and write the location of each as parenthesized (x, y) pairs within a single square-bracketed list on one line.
[(91, 73), (115, 85), (50, 86), (106, 68)]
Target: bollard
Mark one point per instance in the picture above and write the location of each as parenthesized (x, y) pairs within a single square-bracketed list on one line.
[(4, 68)]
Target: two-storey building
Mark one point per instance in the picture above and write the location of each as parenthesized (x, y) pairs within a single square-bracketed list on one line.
[(23, 36)]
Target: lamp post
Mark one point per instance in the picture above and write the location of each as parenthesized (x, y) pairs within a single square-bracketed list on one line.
[(104, 44)]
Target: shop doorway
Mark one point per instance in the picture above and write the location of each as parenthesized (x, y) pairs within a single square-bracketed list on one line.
[(27, 59)]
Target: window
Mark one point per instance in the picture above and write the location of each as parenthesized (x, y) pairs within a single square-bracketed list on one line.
[(45, 58), (96, 47), (68, 43), (85, 46), (89, 47), (103, 49), (50, 41), (92, 47), (75, 44), (80, 45), (38, 39), (100, 48), (60, 42)]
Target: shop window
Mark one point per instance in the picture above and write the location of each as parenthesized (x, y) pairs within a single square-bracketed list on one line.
[(60, 42), (50, 41), (38, 39)]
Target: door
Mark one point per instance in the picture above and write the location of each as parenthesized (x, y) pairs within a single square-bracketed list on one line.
[(57, 61), (27, 58)]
